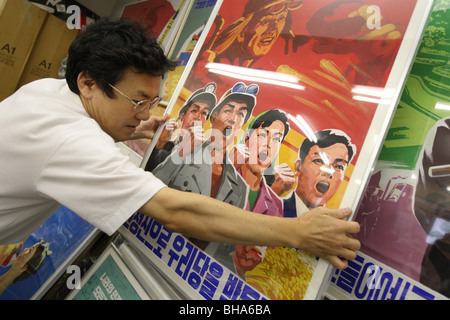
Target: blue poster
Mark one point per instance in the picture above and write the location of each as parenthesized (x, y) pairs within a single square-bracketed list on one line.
[(26, 266)]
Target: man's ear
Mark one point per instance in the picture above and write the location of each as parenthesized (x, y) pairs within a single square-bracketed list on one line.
[(85, 84), (297, 164)]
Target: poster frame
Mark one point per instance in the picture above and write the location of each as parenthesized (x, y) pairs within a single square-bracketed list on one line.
[(375, 134)]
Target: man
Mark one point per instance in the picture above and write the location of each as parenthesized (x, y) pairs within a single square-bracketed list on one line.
[(319, 170), (192, 116), (58, 148)]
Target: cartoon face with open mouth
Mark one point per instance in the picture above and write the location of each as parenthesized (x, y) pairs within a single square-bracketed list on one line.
[(228, 121), (264, 144), (258, 40), (321, 173)]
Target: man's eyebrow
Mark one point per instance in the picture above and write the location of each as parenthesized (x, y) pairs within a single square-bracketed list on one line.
[(278, 133), (275, 133), (143, 94), (261, 129), (340, 160)]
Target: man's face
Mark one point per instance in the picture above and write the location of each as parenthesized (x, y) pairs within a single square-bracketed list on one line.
[(260, 39), (321, 173), (195, 114), (263, 145), (226, 123), (116, 116)]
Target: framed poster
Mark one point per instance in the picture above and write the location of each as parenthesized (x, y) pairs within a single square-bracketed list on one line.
[(404, 212), (283, 109), (109, 279), (29, 268)]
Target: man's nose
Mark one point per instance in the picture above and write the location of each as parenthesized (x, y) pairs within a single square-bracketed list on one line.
[(327, 171), (143, 115)]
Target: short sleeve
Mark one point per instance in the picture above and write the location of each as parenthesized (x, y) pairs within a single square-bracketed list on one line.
[(89, 174)]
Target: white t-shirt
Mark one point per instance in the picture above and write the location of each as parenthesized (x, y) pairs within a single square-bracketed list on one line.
[(51, 154)]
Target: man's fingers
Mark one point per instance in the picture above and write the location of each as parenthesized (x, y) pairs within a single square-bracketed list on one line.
[(352, 244), (337, 262), (347, 254), (352, 227), (339, 213)]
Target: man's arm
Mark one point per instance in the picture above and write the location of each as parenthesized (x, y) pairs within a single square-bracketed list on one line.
[(321, 231)]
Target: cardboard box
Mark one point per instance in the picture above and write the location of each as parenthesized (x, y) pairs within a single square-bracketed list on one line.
[(20, 24), (49, 51)]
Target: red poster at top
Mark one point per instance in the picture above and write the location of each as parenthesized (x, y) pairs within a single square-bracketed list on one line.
[(156, 13)]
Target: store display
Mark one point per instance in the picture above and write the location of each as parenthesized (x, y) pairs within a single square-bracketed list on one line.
[(336, 110), (302, 73), (404, 214), (46, 253)]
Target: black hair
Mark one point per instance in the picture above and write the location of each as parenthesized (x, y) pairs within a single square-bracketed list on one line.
[(326, 138), (265, 119), (106, 49)]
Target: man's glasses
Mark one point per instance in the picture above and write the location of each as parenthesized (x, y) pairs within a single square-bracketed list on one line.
[(139, 106)]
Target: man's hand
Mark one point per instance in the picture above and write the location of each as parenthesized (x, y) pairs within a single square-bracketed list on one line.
[(321, 231), (147, 129), (327, 235)]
